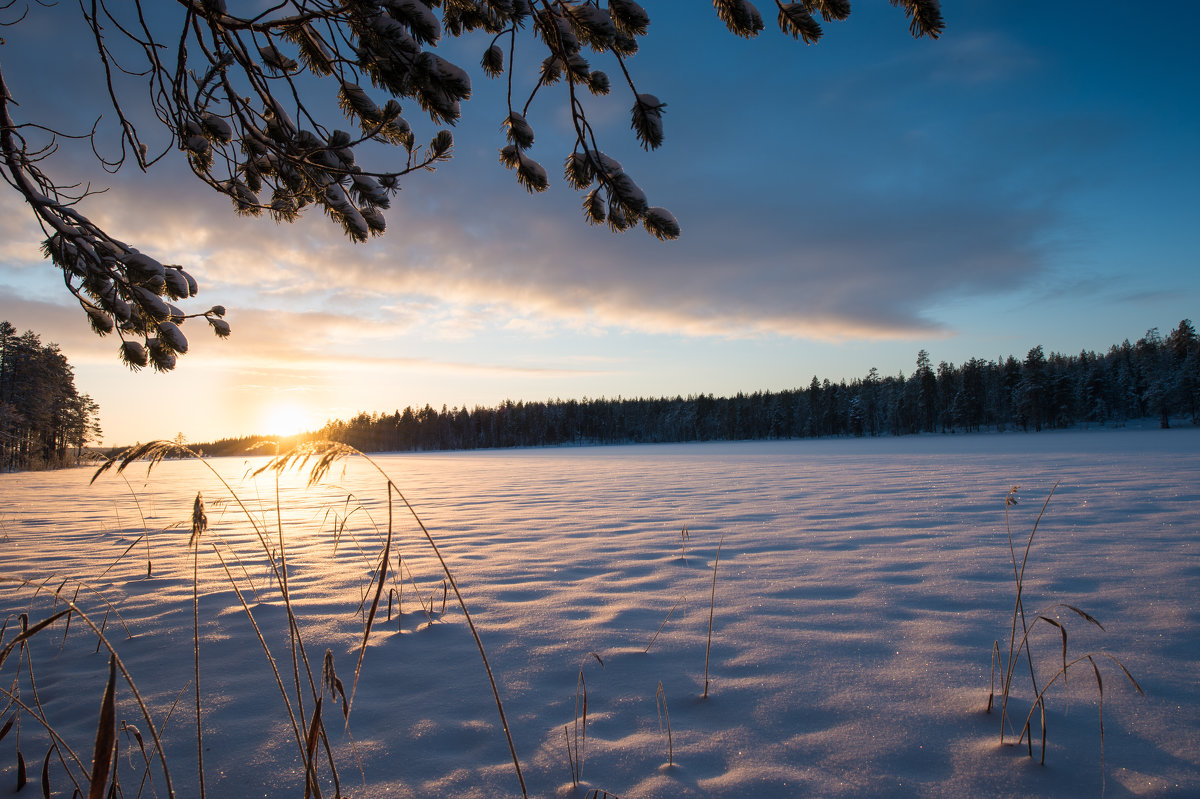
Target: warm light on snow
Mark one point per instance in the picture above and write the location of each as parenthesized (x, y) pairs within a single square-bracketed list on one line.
[(861, 586)]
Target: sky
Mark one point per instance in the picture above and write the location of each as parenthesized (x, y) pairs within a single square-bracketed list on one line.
[(1027, 179)]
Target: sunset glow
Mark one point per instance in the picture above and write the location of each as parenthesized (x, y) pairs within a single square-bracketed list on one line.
[(741, 387), (843, 206), (285, 419)]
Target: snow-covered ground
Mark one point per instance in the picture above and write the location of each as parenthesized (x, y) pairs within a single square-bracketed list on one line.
[(860, 588)]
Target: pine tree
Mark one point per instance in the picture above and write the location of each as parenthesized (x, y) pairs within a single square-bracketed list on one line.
[(927, 392), (1030, 395), (44, 421)]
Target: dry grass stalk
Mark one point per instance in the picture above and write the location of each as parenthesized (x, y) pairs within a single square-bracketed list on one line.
[(712, 603), (572, 757), (381, 578), (67, 626), (1019, 606), (664, 624), (145, 530), (323, 455), (1040, 699), (319, 458), (277, 559), (262, 641), (332, 683), (105, 742), (45, 781), (660, 702), (400, 585), (1017, 646), (106, 735), (578, 751), (412, 581), (130, 731), (310, 751), (196, 656)]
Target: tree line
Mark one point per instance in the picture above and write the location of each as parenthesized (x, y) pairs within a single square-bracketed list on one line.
[(1157, 377), (44, 421)]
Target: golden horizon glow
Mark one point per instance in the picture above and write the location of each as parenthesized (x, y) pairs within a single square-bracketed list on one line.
[(286, 419)]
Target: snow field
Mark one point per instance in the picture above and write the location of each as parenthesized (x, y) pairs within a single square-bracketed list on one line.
[(860, 589)]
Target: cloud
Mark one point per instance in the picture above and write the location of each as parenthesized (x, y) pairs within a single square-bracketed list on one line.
[(293, 347), (20, 238), (64, 325), (840, 263), (979, 57), (844, 264), (821, 224)]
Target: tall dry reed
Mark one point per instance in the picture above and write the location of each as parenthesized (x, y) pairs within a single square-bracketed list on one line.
[(1055, 617), (307, 691)]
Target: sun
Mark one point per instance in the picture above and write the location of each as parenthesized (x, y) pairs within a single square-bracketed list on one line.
[(286, 418)]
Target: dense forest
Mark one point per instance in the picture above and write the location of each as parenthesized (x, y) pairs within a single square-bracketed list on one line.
[(44, 421), (1156, 378)]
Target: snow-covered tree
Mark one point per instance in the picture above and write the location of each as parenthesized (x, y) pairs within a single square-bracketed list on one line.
[(242, 88)]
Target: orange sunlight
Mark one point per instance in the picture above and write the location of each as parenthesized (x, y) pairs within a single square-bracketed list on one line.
[(287, 418)]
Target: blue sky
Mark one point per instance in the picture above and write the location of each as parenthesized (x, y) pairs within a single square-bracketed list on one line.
[(1029, 178)]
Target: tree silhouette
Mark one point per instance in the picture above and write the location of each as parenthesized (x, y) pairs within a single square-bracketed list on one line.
[(1155, 379), (240, 89), (44, 421)]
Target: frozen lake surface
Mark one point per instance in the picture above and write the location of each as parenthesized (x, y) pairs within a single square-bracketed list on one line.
[(860, 589)]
